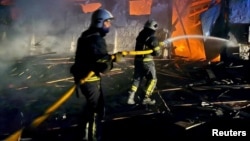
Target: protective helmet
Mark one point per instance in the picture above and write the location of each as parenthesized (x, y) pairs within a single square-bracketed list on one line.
[(99, 16), (152, 24)]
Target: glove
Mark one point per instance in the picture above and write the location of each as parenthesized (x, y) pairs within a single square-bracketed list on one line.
[(162, 44), (118, 57)]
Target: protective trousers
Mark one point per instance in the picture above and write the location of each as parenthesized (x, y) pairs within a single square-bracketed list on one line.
[(147, 70), (93, 112)]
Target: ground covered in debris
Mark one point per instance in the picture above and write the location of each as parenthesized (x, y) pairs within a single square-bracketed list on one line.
[(193, 97)]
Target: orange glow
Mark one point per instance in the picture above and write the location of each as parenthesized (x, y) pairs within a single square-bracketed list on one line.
[(140, 7), (6, 2), (180, 48), (184, 25), (218, 1), (216, 59), (91, 7)]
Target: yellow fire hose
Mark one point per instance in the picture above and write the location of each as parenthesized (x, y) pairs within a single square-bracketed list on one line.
[(40, 119), (16, 136), (136, 52), (37, 121)]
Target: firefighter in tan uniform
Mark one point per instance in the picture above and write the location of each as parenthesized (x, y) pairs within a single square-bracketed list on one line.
[(144, 64)]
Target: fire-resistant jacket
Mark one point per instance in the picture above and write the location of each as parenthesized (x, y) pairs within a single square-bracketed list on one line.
[(91, 55), (147, 41)]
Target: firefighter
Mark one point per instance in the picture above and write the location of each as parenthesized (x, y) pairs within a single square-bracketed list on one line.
[(144, 64), (91, 55)]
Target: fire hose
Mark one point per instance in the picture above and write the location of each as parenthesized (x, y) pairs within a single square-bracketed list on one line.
[(37, 121)]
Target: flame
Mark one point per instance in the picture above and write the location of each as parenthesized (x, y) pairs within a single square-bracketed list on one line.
[(216, 59), (183, 24), (180, 48)]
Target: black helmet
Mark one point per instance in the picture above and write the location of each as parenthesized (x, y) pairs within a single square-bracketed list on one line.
[(99, 16), (152, 24)]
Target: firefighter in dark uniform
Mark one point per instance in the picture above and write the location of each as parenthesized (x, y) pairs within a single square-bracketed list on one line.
[(144, 64), (91, 55)]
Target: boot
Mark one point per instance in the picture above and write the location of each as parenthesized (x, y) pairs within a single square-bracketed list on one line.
[(148, 101), (86, 132), (90, 132), (131, 98), (98, 128)]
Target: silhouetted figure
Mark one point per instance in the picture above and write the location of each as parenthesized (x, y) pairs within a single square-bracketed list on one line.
[(91, 55)]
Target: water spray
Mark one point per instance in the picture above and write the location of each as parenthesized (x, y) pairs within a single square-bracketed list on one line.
[(228, 42)]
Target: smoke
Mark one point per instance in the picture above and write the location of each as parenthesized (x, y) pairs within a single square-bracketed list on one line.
[(40, 26), (39, 21)]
